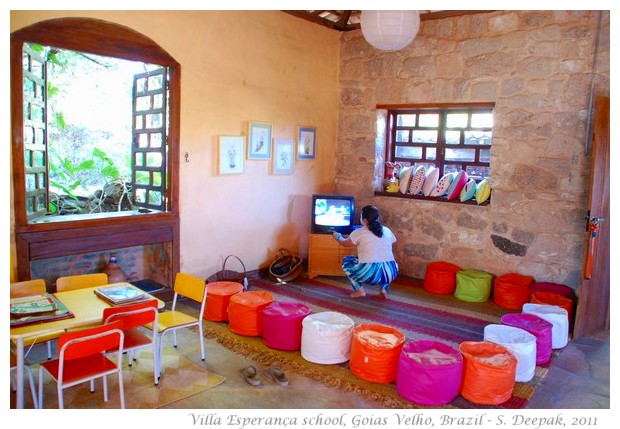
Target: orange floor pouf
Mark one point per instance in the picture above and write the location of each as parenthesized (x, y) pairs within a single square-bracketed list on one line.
[(245, 312), (218, 298), (375, 350), (512, 290), (489, 371), (440, 277)]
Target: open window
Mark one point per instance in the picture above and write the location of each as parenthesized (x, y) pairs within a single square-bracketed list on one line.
[(149, 203)]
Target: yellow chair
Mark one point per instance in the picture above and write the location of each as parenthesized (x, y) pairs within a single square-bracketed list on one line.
[(27, 288), (81, 281), (194, 288), (30, 378)]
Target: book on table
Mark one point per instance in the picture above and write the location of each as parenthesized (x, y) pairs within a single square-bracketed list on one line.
[(122, 293), (39, 308)]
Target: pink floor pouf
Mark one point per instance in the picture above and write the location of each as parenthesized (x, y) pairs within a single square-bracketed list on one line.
[(282, 325), (536, 326), (429, 372)]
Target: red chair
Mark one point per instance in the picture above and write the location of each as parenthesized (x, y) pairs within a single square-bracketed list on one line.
[(134, 318), (81, 358)]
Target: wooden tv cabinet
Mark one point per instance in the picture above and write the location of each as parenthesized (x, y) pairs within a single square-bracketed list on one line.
[(325, 255)]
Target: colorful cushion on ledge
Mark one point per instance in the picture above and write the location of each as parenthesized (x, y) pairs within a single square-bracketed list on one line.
[(404, 179), (454, 191), (417, 180), (483, 191), (430, 181), (442, 185), (468, 191)]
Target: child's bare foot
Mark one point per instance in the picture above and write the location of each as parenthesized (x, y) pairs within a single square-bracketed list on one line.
[(358, 293), (383, 293)]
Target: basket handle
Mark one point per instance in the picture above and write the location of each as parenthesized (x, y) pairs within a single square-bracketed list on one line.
[(238, 259), (284, 252)]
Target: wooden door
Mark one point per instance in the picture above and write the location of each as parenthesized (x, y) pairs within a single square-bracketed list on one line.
[(593, 305)]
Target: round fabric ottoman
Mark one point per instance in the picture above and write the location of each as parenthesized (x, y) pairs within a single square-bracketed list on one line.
[(473, 285), (512, 290), (552, 298), (245, 312), (536, 326), (375, 350), (488, 372), (521, 344), (218, 298), (282, 325), (440, 277), (326, 337), (429, 372), (555, 315)]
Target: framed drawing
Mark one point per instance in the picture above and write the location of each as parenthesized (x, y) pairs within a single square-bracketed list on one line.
[(283, 156), (231, 150), (306, 142), (259, 140)]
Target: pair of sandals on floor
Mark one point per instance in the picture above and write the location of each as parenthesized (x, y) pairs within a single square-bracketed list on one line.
[(274, 372)]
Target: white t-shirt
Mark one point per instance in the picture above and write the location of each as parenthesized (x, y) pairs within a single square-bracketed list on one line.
[(371, 248)]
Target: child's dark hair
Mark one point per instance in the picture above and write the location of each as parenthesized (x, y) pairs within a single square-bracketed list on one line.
[(371, 214)]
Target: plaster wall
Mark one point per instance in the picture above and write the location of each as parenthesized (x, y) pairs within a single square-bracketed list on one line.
[(236, 67)]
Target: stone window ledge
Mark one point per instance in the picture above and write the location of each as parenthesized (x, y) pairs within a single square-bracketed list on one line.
[(471, 202)]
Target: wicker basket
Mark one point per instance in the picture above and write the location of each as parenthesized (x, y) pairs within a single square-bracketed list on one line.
[(230, 275), (286, 267)]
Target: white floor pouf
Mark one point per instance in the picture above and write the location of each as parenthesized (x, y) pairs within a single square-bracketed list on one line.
[(555, 315), (520, 343), (326, 337)]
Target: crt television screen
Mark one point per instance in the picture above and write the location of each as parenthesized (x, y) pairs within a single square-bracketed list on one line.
[(333, 212)]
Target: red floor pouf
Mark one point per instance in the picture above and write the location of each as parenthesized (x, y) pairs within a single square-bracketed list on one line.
[(440, 277), (488, 372), (326, 337), (375, 350), (282, 325), (512, 290), (473, 285), (218, 298), (245, 312), (553, 298), (429, 372), (536, 326)]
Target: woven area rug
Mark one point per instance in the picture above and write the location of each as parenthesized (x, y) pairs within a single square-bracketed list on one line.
[(183, 376), (410, 309)]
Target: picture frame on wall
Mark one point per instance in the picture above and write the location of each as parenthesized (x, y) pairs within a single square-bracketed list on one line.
[(259, 140), (231, 154), (283, 156), (306, 142)]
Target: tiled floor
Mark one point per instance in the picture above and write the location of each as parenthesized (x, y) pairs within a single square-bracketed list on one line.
[(578, 379)]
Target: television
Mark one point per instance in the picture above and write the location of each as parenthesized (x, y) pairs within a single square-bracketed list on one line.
[(333, 213)]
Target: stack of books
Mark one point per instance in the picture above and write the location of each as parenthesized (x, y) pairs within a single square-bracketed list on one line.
[(122, 293), (40, 308)]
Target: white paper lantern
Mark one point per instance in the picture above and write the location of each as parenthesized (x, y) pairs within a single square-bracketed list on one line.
[(390, 30)]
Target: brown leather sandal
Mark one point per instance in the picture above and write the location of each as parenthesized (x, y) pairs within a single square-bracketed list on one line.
[(277, 374), (250, 375)]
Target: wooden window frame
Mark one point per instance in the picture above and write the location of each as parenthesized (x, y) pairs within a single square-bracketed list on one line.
[(63, 238), (439, 161)]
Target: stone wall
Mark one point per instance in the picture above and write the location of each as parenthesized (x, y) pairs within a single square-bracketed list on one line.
[(539, 68)]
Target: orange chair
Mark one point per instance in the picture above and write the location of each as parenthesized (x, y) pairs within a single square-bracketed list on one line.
[(82, 358), (134, 318), (81, 281), (28, 288), (194, 288), (30, 377)]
